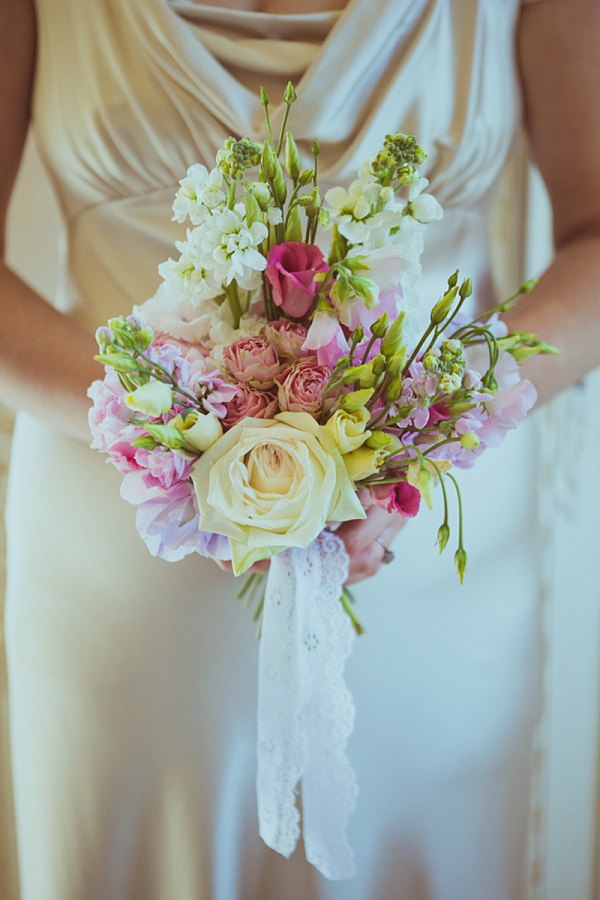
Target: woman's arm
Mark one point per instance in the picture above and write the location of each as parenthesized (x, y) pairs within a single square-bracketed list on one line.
[(559, 53), (46, 360)]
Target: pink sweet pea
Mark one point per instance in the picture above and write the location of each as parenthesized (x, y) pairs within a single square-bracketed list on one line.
[(291, 270), (401, 497)]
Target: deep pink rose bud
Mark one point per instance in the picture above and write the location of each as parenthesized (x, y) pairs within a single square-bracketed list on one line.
[(302, 388), (291, 270), (401, 497), (249, 403), (253, 360)]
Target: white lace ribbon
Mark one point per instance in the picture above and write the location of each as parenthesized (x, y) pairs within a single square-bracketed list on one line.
[(305, 710)]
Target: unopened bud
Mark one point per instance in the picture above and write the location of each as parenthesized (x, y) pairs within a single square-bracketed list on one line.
[(290, 94), (379, 327), (305, 177), (466, 289), (393, 338), (443, 537), (291, 156), (442, 308), (378, 365), (397, 362), (355, 400), (460, 560), (293, 226), (120, 362), (267, 162), (453, 280), (253, 210), (394, 390), (355, 373)]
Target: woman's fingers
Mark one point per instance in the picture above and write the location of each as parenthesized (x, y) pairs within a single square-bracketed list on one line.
[(366, 541)]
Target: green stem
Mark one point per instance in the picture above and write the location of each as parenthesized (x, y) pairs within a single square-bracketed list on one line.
[(346, 600), (234, 303), (413, 356)]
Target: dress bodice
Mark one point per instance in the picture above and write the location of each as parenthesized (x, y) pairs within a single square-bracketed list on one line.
[(145, 88)]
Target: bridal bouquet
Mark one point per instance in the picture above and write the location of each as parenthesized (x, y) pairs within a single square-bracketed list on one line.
[(269, 391)]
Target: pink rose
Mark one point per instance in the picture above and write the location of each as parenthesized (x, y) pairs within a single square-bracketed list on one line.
[(287, 337), (302, 388), (401, 497), (291, 270), (249, 403), (253, 360)]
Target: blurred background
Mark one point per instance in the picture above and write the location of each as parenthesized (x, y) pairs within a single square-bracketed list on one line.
[(565, 820)]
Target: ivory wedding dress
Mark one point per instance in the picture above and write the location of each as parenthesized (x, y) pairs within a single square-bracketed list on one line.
[(133, 680)]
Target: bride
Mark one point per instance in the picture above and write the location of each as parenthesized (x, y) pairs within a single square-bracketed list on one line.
[(133, 681)]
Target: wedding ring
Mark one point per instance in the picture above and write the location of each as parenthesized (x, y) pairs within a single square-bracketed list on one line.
[(387, 553)]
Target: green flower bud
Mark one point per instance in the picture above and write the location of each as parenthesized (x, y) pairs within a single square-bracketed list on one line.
[(393, 338), (305, 177), (145, 337), (394, 390), (355, 373), (120, 362), (314, 147), (144, 443), (356, 400), (291, 156), (263, 97), (279, 183), (366, 289), (443, 537), (396, 363), (167, 436), (253, 210), (453, 280), (357, 335), (466, 289), (338, 248), (380, 326), (460, 560), (289, 94), (267, 161), (442, 308), (293, 226), (378, 365)]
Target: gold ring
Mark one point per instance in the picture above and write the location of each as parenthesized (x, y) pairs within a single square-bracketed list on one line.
[(387, 553)]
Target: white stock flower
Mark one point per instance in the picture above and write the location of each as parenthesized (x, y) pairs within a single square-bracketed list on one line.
[(196, 282), (229, 248), (200, 192), (365, 207), (171, 311)]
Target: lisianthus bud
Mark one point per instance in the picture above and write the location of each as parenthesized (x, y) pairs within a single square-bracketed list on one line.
[(380, 326), (443, 537), (167, 436), (442, 308), (120, 362), (145, 337), (392, 340), (293, 226), (267, 161), (396, 364), (356, 373), (394, 390), (460, 560), (466, 289), (378, 366), (253, 210), (291, 156), (290, 94), (305, 177), (356, 399), (152, 399)]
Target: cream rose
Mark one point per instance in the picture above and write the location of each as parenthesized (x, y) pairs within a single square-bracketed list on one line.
[(269, 484), (349, 429)]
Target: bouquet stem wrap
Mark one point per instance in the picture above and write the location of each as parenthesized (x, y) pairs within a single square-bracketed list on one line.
[(305, 710)]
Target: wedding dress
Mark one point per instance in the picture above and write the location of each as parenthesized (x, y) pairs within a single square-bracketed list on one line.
[(133, 680)]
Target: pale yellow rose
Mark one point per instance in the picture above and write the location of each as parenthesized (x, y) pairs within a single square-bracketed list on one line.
[(200, 430), (153, 398), (349, 429), (269, 484), (363, 462)]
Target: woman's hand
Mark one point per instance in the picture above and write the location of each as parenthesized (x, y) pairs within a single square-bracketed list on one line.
[(366, 541)]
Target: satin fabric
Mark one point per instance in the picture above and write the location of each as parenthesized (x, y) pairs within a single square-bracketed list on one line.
[(134, 680)]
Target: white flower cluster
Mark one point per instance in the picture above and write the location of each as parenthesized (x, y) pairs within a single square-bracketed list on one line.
[(221, 248), (372, 216)]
